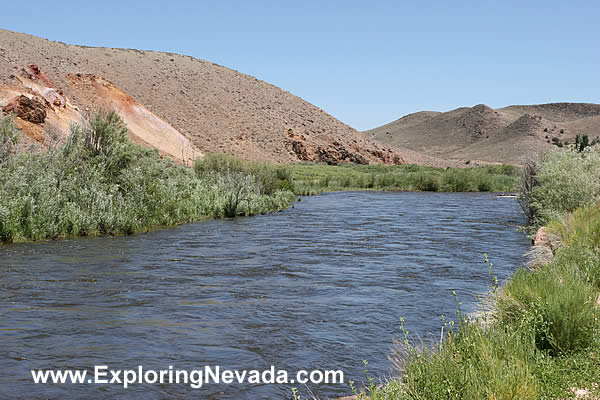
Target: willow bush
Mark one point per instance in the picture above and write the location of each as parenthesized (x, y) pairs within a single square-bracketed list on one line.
[(560, 183), (98, 182)]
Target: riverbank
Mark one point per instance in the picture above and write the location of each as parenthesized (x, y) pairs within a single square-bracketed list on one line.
[(538, 338), (309, 179), (315, 178), (99, 183)]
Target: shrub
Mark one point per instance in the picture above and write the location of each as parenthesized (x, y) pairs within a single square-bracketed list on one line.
[(426, 182), (581, 142), (527, 184), (564, 181), (457, 180), (100, 183), (269, 177)]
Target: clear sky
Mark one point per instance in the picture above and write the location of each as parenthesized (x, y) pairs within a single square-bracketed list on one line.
[(365, 62)]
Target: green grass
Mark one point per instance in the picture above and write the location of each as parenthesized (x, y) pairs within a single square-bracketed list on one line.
[(315, 178)]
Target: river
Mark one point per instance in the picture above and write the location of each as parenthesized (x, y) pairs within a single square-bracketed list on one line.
[(318, 286)]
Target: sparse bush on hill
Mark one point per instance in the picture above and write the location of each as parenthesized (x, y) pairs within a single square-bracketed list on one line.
[(581, 142)]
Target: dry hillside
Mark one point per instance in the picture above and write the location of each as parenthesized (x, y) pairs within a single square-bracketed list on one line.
[(179, 104), (507, 134)]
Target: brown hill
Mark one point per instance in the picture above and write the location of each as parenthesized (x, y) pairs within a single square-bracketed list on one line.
[(179, 104), (507, 134)]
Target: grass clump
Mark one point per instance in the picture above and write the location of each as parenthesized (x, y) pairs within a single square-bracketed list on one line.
[(474, 362), (556, 302), (98, 182)]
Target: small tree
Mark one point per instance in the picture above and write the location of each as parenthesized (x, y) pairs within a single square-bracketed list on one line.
[(103, 136), (581, 142)]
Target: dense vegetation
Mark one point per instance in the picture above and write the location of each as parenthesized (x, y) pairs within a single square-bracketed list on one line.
[(98, 182), (309, 179), (315, 178), (561, 182), (539, 338)]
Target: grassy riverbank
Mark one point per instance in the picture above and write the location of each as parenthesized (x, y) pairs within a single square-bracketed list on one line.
[(310, 179), (98, 182), (540, 335)]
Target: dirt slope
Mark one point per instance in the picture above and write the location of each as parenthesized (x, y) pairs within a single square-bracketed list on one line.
[(184, 105), (507, 134)]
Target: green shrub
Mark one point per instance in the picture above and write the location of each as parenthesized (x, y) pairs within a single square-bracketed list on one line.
[(426, 182), (269, 177), (457, 180), (100, 183), (499, 178), (564, 181)]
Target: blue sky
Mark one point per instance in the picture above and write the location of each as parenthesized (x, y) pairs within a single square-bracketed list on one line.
[(365, 62)]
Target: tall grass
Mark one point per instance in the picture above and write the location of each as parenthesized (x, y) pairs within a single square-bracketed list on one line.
[(473, 362), (99, 182), (269, 177), (314, 178)]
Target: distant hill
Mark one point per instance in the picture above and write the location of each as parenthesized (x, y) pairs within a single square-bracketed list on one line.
[(506, 134), (181, 105)]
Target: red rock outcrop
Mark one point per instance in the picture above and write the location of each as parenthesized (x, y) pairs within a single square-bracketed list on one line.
[(28, 109)]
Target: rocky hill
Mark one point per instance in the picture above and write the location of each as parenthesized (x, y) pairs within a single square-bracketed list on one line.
[(508, 134), (181, 105)]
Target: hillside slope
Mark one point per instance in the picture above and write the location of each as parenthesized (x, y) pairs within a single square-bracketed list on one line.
[(181, 105), (507, 134)]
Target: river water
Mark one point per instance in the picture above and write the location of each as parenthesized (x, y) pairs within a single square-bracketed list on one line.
[(318, 286)]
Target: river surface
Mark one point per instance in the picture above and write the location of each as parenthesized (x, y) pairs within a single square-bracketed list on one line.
[(319, 286)]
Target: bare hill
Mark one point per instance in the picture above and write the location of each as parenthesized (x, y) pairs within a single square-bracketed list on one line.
[(507, 134), (179, 104)]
